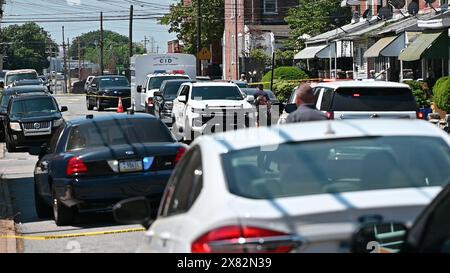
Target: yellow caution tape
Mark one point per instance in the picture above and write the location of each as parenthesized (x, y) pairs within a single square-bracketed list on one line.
[(74, 235), (302, 80), (108, 97)]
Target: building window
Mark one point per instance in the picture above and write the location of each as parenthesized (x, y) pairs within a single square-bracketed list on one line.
[(270, 6)]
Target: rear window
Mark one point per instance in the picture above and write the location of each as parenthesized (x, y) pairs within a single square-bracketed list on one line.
[(22, 76), (373, 99), (118, 132), (337, 166)]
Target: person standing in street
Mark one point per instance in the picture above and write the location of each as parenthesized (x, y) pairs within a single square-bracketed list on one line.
[(306, 108)]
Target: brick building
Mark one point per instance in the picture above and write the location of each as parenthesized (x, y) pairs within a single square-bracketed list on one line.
[(259, 24)]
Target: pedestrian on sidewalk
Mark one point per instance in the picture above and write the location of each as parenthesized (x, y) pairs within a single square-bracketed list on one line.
[(306, 108)]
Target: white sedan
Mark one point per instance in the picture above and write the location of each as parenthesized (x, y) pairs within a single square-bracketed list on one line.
[(296, 188)]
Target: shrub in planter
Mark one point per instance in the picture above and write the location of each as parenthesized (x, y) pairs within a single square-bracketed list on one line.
[(284, 73), (441, 93)]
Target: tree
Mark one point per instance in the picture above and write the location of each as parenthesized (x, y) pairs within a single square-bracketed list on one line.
[(182, 20), (25, 46), (313, 17), (116, 48)]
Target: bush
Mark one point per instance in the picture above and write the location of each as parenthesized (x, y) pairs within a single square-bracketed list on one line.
[(284, 73), (420, 93), (283, 89), (441, 92)]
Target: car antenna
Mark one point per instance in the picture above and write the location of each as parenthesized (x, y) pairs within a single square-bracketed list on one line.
[(330, 130)]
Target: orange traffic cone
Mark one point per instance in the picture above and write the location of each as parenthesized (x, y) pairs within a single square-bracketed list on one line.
[(120, 106)]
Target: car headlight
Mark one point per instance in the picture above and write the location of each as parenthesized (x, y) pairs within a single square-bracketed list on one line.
[(15, 126), (58, 122)]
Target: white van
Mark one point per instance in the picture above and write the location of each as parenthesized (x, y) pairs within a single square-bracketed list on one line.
[(150, 70), (18, 75)]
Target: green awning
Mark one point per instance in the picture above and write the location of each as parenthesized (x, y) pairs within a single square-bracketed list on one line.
[(374, 51), (431, 45)]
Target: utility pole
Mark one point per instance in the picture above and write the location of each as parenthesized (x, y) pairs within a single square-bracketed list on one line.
[(145, 43), (131, 32), (65, 62), (199, 36), (152, 42), (236, 37), (79, 59), (157, 49), (68, 57), (102, 67)]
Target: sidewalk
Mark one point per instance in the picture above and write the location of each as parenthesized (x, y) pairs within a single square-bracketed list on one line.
[(7, 228)]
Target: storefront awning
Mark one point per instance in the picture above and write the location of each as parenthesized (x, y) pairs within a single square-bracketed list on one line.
[(309, 52), (374, 50), (433, 45)]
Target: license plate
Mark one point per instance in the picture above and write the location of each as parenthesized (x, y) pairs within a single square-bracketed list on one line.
[(130, 166)]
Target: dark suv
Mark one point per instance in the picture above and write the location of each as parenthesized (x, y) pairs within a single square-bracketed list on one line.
[(31, 120), (6, 95), (164, 99)]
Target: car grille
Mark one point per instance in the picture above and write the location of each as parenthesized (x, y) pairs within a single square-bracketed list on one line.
[(37, 128)]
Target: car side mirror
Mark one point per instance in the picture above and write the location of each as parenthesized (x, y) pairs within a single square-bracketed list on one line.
[(290, 107), (64, 109), (182, 99), (157, 94), (250, 98), (93, 86), (139, 88), (133, 211), (379, 238)]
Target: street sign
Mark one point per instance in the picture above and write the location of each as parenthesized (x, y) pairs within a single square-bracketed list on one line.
[(204, 54)]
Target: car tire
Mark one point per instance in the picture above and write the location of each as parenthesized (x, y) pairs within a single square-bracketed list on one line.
[(43, 210), (88, 104), (10, 146), (99, 106), (62, 214)]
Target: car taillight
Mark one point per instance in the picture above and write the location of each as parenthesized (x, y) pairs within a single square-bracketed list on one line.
[(420, 115), (237, 239), (76, 166), (150, 102), (330, 115), (180, 154)]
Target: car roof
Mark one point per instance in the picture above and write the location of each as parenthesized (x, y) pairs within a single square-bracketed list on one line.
[(109, 76), (31, 96), (206, 84), (319, 130), (179, 80), (166, 74), (363, 83), (26, 89), (21, 71), (99, 118)]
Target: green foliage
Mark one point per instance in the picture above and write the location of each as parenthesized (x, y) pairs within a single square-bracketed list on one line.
[(314, 17), (284, 57), (25, 46), (441, 92), (183, 19), (261, 56), (284, 73), (116, 48), (419, 92), (283, 89)]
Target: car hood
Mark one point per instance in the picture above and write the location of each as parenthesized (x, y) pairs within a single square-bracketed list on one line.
[(220, 104), (326, 222), (37, 117)]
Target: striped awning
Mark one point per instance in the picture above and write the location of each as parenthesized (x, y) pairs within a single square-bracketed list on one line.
[(309, 52), (374, 50)]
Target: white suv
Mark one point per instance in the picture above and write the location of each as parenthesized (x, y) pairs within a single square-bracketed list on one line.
[(364, 99), (151, 84), (202, 108)]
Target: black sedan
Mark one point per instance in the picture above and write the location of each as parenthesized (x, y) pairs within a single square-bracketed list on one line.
[(104, 92), (93, 162), (164, 99)]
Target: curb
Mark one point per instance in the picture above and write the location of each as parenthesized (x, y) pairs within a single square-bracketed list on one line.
[(7, 227)]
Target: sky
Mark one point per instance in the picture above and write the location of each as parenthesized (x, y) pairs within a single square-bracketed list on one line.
[(69, 10)]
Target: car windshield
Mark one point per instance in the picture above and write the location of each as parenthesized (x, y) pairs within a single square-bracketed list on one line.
[(156, 82), (33, 107), (28, 82), (337, 166), (118, 132), (374, 99), (171, 89), (216, 93), (22, 76), (114, 82)]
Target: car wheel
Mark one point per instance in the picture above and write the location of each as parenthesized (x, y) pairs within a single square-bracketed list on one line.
[(43, 210), (10, 146), (88, 104), (62, 214), (99, 105)]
